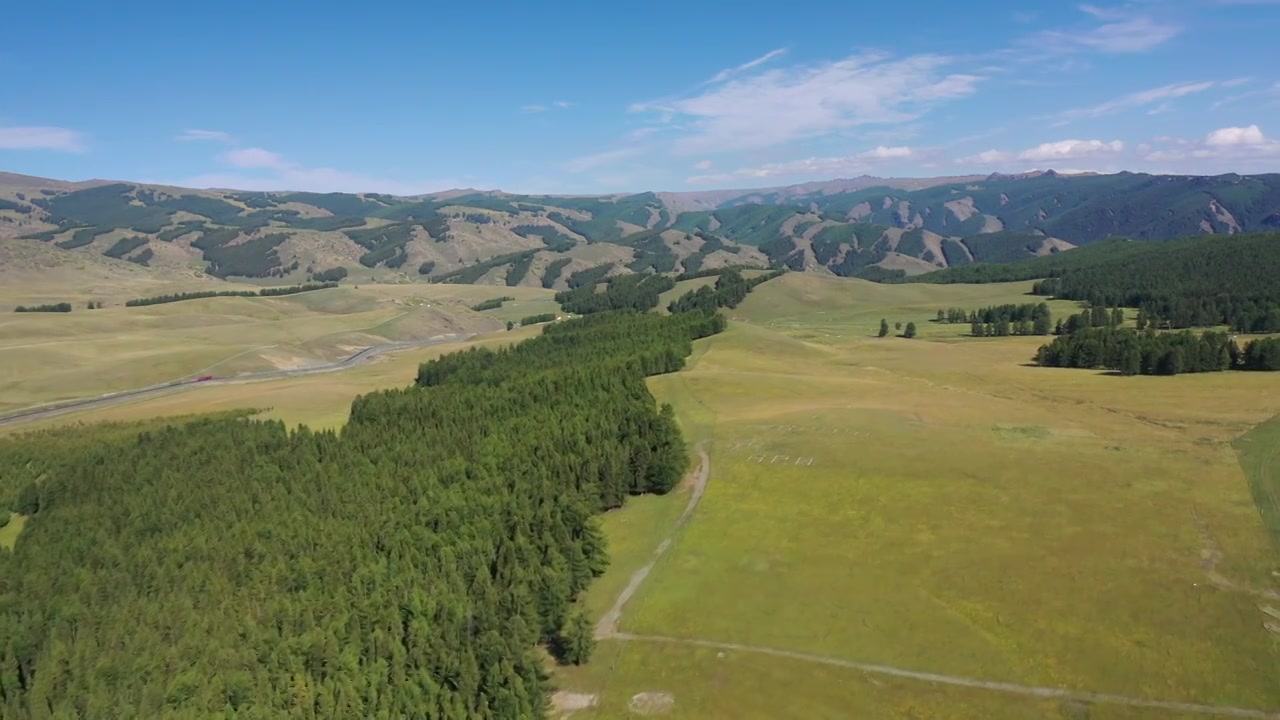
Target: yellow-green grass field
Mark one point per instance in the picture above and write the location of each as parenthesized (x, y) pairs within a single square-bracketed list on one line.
[(47, 357), (938, 505)]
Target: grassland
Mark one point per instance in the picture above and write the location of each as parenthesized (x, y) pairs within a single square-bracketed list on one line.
[(942, 507), (963, 514)]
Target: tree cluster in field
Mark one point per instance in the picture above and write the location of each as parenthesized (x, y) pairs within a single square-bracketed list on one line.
[(491, 303), (62, 307), (637, 291), (730, 289), (1147, 352), (406, 565), (908, 332), (330, 275), (537, 319), (1094, 317), (94, 305), (1002, 320), (264, 292)]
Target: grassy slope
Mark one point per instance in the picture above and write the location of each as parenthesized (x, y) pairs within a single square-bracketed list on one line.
[(991, 520), (55, 356)]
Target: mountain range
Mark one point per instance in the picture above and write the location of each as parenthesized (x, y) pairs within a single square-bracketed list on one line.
[(866, 226)]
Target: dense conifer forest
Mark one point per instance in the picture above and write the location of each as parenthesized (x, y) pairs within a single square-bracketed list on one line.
[(405, 566), (730, 289), (1196, 282)]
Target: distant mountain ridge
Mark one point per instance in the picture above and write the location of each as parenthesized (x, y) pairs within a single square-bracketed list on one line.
[(862, 226)]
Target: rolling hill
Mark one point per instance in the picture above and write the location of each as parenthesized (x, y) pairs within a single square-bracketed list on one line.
[(863, 227)]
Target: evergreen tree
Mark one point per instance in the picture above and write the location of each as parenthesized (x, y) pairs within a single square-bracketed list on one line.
[(576, 641), (910, 332), (941, 316), (884, 327)]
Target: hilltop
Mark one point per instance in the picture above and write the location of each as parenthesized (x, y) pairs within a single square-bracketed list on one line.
[(865, 227)]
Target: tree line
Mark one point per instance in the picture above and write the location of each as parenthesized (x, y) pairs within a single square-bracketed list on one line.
[(537, 319), (407, 565), (1147, 352), (1002, 320), (62, 307), (200, 294)]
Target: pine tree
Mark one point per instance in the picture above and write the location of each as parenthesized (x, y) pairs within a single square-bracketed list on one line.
[(884, 327), (910, 332), (576, 640), (941, 316)]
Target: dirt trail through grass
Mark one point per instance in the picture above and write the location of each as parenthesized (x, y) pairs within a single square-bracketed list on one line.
[(608, 625), (607, 629)]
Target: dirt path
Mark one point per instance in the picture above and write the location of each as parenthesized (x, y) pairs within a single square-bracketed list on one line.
[(1010, 688), (608, 625), (607, 629)]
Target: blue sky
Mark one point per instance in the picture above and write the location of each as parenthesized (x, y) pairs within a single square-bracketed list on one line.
[(603, 97)]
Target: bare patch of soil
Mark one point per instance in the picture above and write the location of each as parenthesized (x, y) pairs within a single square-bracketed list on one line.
[(565, 703), (652, 703)]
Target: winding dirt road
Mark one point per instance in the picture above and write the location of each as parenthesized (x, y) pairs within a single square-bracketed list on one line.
[(363, 356), (607, 629)]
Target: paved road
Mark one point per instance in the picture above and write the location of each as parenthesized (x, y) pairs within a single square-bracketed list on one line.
[(365, 355)]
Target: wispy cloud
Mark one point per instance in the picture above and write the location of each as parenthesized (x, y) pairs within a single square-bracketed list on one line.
[(600, 159), (543, 107), (255, 168), (206, 136), (1115, 30), (831, 166), (254, 158), (41, 138), (1271, 91), (779, 106), (730, 72), (1139, 99)]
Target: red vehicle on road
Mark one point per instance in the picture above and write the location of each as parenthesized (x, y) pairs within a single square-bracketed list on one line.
[(202, 378)]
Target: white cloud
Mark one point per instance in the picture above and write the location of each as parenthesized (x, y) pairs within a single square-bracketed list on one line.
[(1120, 31), (809, 167), (249, 158), (40, 138), (704, 165), (206, 135), (778, 106), (563, 104), (987, 157), (1070, 149), (730, 72), (1235, 136)]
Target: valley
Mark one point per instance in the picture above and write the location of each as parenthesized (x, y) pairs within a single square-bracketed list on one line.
[(902, 497)]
